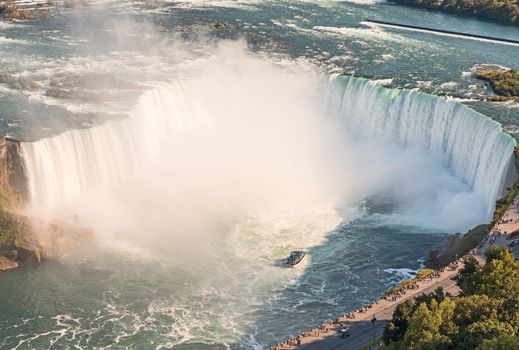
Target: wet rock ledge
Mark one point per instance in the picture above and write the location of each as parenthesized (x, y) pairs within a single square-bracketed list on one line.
[(25, 239), (504, 83), (21, 10)]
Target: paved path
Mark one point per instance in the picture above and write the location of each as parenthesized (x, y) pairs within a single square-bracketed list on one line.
[(508, 224), (362, 330)]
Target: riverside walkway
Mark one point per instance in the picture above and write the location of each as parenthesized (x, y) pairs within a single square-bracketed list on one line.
[(363, 330)]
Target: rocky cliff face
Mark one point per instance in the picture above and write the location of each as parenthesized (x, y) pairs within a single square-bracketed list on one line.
[(36, 9), (25, 239), (18, 241), (13, 182)]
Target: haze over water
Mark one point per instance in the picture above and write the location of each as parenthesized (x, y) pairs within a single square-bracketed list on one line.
[(201, 156)]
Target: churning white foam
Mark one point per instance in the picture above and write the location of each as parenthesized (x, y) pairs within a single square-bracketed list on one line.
[(369, 33), (243, 135)]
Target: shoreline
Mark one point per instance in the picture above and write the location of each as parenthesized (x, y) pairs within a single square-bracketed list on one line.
[(364, 329), (328, 334), (488, 13)]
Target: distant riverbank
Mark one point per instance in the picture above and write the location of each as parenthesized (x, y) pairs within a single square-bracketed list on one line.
[(504, 12)]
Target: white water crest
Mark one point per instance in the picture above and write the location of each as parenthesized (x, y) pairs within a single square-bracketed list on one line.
[(472, 145), (348, 137), (68, 165)]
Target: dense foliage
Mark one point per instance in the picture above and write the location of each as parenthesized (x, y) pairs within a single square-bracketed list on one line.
[(485, 315), (500, 10), (504, 82)]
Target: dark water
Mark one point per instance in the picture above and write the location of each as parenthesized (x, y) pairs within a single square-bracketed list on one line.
[(111, 299)]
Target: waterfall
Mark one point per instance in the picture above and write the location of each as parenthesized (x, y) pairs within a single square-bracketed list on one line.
[(472, 145), (64, 167)]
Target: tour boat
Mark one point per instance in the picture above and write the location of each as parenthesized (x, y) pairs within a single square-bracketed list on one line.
[(294, 258)]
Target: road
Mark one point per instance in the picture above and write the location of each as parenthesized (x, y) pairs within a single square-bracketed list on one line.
[(362, 330)]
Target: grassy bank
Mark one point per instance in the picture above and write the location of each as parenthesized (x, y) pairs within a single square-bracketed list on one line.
[(423, 273), (503, 203)]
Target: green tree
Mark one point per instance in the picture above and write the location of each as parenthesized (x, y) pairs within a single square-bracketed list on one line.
[(470, 266), (498, 278), (396, 328), (503, 342), (430, 327), (496, 253), (485, 316), (477, 332), (438, 295), (509, 312), (475, 308)]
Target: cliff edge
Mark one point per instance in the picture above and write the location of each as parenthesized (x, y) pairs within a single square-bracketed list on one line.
[(25, 239)]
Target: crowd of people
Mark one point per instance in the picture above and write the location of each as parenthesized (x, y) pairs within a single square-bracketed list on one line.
[(315, 332), (513, 208), (339, 322), (496, 231), (507, 217), (490, 239), (394, 296)]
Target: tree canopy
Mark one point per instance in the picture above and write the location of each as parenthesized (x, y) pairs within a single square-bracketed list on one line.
[(485, 316)]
